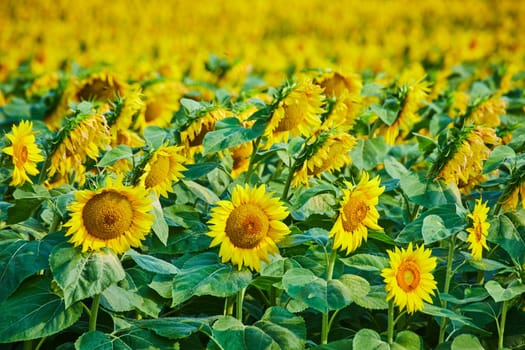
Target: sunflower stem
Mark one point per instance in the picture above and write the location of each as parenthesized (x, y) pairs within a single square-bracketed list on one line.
[(240, 300), (94, 313), (501, 329), (252, 159), (228, 306), (446, 288), (391, 322), (56, 221), (40, 342), (288, 182), (325, 326)]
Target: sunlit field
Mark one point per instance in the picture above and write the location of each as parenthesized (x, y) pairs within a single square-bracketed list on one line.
[(262, 175)]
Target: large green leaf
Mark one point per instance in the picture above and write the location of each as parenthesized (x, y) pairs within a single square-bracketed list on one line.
[(20, 259), (368, 153), (497, 156), (506, 233), (35, 311), (231, 334), (434, 224), (319, 294), (116, 153), (174, 327), (288, 330), (205, 276), (499, 294), (428, 193), (229, 133), (369, 339), (366, 262), (82, 275), (96, 340), (152, 264), (466, 341), (160, 226), (201, 192), (119, 299), (374, 300)]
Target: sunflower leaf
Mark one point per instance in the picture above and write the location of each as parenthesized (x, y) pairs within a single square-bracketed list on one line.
[(35, 311), (116, 153), (83, 275), (231, 334), (160, 226), (230, 133), (100, 341)]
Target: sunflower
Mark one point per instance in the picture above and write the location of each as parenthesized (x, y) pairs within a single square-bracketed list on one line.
[(24, 152), (479, 230), (248, 227), (332, 155), (101, 87), (358, 213), (298, 114), (161, 101), (488, 112), (241, 158), (163, 168), (409, 280), (193, 135), (115, 216), (413, 97)]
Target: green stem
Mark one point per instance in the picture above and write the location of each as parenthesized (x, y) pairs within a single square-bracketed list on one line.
[(252, 159), (391, 322), (446, 288), (504, 310), (325, 325), (228, 306), (56, 221), (40, 342), (240, 300), (94, 313), (288, 182)]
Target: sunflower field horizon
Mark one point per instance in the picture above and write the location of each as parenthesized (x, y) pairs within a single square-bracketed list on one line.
[(237, 175)]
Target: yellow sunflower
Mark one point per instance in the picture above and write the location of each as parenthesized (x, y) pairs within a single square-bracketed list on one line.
[(332, 155), (193, 135), (488, 112), (409, 280), (161, 101), (298, 114), (248, 227), (24, 152), (480, 228), (115, 216), (241, 158), (358, 213), (101, 87), (163, 168)]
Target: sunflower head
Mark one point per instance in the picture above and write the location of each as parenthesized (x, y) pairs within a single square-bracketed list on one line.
[(99, 87), (357, 214), (409, 280), (297, 114), (248, 227), (162, 169), (161, 101), (24, 152), (115, 216), (478, 231)]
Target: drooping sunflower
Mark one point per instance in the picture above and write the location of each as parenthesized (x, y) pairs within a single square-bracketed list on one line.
[(332, 155), (115, 216), (488, 112), (248, 227), (298, 114), (24, 152), (193, 135), (514, 192), (241, 158), (409, 280), (163, 168), (479, 230), (357, 214)]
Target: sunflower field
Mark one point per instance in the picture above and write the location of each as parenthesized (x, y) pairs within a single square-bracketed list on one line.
[(230, 175)]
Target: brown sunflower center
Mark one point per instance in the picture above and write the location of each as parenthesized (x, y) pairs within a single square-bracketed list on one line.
[(22, 154), (292, 117), (197, 140), (99, 90), (478, 231), (153, 111), (247, 225), (158, 172), (107, 215), (355, 212), (408, 276)]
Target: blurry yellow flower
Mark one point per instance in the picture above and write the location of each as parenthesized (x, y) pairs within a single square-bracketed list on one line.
[(409, 280), (163, 168), (24, 152), (43, 84), (515, 191), (248, 227), (488, 112), (162, 101), (298, 114), (101, 87), (115, 216), (479, 230), (241, 158), (332, 155), (459, 103), (357, 214)]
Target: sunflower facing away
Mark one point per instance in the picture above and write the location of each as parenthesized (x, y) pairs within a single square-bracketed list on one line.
[(115, 216), (24, 152), (479, 230), (358, 213), (163, 168), (248, 227), (409, 280)]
